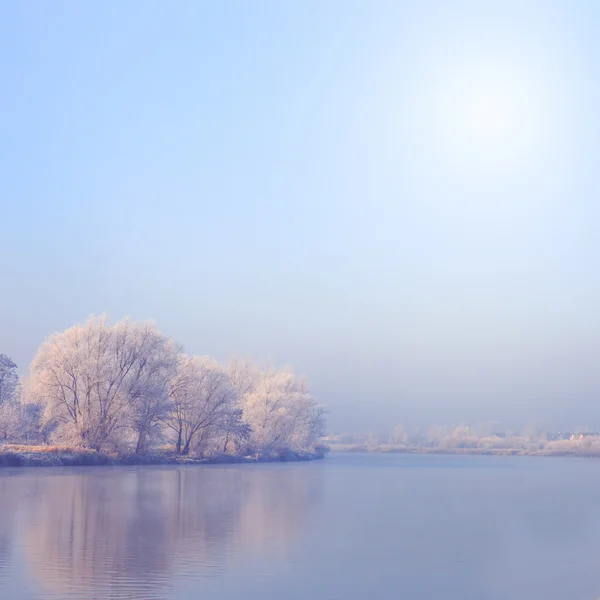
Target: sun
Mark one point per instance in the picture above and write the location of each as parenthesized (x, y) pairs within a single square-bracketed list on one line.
[(486, 118)]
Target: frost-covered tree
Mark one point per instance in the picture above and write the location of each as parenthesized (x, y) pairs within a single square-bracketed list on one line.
[(244, 374), (400, 437), (30, 418), (150, 376), (10, 421), (9, 400), (438, 433), (123, 386), (9, 380), (102, 385), (204, 406), (278, 408)]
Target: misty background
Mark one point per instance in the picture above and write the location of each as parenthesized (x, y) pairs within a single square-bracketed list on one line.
[(306, 182)]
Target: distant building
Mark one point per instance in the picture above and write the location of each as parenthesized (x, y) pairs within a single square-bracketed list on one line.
[(570, 436), (582, 436), (560, 435)]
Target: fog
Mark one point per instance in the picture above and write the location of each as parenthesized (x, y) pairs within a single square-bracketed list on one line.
[(337, 187)]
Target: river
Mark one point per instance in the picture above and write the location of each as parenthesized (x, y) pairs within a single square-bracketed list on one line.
[(351, 527)]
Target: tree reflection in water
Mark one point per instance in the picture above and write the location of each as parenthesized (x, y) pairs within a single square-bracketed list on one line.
[(133, 533)]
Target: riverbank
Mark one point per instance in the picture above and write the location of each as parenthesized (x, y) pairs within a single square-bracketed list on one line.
[(60, 456), (563, 450)]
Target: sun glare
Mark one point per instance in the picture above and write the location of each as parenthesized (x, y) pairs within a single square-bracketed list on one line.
[(486, 118)]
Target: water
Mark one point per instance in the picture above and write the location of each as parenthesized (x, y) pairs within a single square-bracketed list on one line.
[(353, 527)]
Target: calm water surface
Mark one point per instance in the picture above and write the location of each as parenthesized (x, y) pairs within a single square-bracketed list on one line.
[(353, 527)]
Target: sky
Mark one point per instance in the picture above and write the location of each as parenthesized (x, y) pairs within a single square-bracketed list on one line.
[(399, 199)]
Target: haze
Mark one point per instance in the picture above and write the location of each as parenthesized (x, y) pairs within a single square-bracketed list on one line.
[(400, 199)]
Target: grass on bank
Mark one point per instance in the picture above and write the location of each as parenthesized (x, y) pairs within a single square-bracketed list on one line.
[(14, 455)]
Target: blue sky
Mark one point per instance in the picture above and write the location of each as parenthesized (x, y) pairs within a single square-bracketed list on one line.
[(308, 181)]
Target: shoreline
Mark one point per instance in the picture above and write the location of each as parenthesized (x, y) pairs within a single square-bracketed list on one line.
[(546, 452), (90, 458)]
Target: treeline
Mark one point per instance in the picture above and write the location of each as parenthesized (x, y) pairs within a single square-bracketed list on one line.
[(479, 436), (127, 388)]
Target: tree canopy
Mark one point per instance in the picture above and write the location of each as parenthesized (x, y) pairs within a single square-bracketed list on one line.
[(125, 387)]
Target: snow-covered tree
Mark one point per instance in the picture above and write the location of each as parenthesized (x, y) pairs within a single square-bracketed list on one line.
[(400, 437), (278, 408), (103, 384), (204, 406), (124, 386), (9, 380), (9, 400), (10, 421)]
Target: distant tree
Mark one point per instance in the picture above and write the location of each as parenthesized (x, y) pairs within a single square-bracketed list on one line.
[(461, 432), (374, 439), (485, 429), (437, 433), (399, 437), (9, 380), (534, 433)]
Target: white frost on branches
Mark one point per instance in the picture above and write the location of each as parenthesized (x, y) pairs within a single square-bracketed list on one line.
[(102, 384), (277, 407), (126, 387)]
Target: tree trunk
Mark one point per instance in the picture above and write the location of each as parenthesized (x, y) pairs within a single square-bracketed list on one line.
[(141, 444)]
